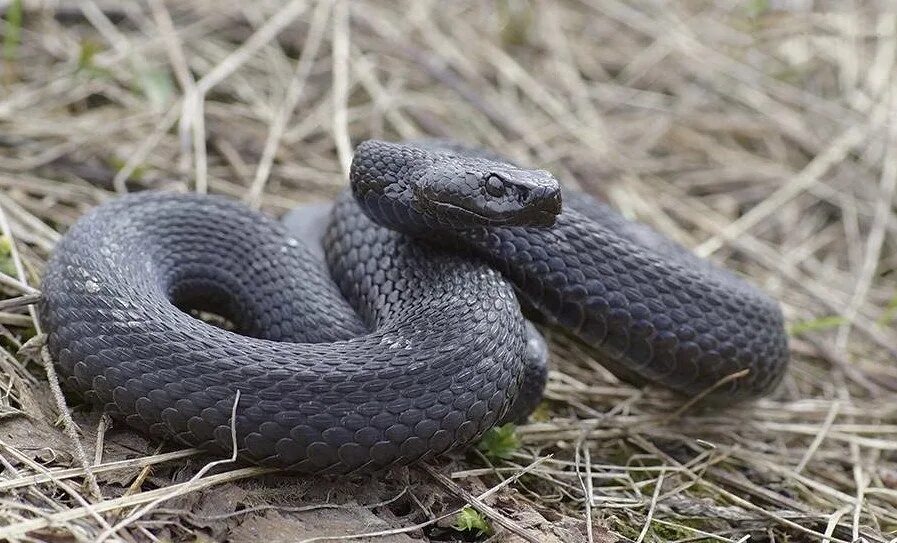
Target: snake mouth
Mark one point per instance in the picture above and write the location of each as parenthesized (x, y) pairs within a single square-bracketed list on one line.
[(531, 217), (493, 199)]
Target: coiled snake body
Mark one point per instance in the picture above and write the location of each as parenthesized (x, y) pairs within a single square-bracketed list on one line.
[(398, 348)]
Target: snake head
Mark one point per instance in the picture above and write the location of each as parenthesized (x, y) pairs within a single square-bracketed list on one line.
[(416, 188), (474, 191)]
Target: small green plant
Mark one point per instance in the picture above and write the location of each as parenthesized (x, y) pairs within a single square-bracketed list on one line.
[(155, 85), (500, 442), (117, 164), (890, 313), (542, 412), (86, 54), (470, 520), (87, 64), (6, 263), (12, 35), (813, 325), (756, 8), (516, 22)]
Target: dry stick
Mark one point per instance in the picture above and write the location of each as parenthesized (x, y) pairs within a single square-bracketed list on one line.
[(587, 483), (98, 19), (596, 138), (703, 394), (881, 444), (188, 86), (137, 482), (700, 54), (192, 116), (68, 473), (233, 158), (650, 447), (68, 424), (54, 519), (705, 65), (430, 522), (812, 484), (14, 319), (879, 72), (341, 39), (650, 515), (144, 510), (90, 509), (834, 520), (46, 237), (860, 480), (17, 263), (146, 146), (448, 77), (809, 176), (102, 426), (827, 352), (19, 301), (368, 78), (516, 120), (286, 509), (185, 79), (478, 503), (9, 469), (199, 147), (13, 283), (744, 485), (566, 64), (817, 441), (875, 240), (14, 369), (172, 45), (294, 92), (702, 535)]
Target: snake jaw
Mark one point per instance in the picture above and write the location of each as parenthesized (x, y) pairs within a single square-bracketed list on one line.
[(485, 193), (452, 213)]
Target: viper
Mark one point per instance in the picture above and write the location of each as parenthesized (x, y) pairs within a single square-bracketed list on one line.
[(407, 339)]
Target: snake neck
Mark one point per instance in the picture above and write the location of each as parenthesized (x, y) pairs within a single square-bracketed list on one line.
[(384, 193)]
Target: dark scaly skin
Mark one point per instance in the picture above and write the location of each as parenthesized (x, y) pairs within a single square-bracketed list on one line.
[(414, 350), (651, 310), (434, 359)]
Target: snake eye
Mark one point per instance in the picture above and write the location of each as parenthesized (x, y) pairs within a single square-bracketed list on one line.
[(494, 186)]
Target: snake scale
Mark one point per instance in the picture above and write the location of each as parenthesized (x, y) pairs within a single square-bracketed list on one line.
[(409, 340)]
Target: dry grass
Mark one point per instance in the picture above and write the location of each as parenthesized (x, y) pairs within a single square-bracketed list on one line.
[(765, 139)]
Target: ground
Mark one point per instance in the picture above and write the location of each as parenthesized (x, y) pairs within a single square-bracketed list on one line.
[(759, 133)]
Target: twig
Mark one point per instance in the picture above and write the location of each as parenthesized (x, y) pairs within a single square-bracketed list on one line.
[(68, 424), (19, 301), (294, 92), (478, 504), (650, 516), (133, 517), (192, 114), (341, 83)]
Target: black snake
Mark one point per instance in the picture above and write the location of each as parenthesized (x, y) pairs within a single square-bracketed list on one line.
[(409, 340)]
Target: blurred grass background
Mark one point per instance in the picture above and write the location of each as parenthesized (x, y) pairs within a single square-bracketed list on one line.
[(761, 133)]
